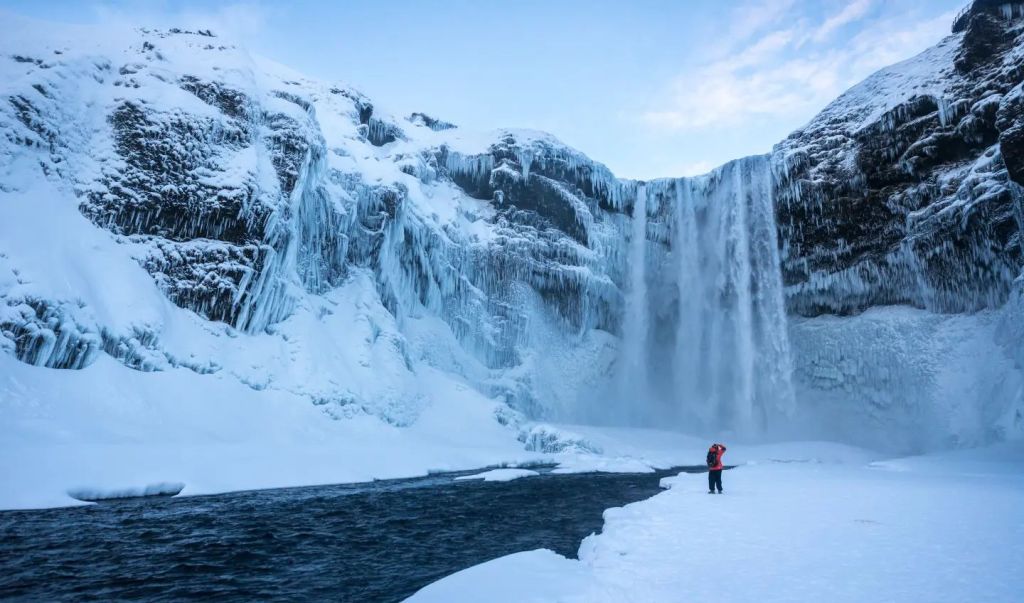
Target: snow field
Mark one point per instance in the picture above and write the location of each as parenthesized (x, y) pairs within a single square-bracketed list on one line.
[(936, 528)]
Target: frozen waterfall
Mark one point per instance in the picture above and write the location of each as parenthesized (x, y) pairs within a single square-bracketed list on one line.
[(732, 360)]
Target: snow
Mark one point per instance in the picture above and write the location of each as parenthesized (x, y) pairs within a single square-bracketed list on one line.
[(499, 475), (937, 379), (940, 528), (109, 425), (334, 394)]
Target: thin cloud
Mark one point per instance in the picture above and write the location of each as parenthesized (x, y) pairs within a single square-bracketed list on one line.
[(777, 76), (752, 17), (892, 41), (850, 13)]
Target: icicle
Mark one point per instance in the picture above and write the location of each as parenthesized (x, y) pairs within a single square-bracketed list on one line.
[(525, 158), (943, 105), (475, 167), (300, 250)]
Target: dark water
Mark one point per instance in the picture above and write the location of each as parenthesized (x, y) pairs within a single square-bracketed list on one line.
[(359, 542)]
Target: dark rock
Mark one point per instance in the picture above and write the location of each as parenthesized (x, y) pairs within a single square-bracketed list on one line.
[(984, 39), (434, 124), (205, 277), (1010, 123), (161, 190), (232, 102)]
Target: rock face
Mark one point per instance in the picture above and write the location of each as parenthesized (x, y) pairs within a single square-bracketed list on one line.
[(260, 203), (901, 191)]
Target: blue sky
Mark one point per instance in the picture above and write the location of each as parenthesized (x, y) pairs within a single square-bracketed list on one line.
[(651, 88)]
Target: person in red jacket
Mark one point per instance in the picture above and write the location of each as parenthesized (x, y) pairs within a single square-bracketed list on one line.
[(715, 467)]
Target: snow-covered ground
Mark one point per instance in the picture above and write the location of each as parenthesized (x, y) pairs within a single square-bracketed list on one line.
[(833, 527), (112, 428)]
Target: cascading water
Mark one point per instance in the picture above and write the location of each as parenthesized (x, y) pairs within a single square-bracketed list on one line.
[(632, 377), (732, 366)]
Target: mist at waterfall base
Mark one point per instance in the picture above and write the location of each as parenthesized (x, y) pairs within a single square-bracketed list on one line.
[(706, 350)]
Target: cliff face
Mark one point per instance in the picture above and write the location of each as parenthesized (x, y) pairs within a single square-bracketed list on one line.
[(252, 196), (279, 215), (901, 191)]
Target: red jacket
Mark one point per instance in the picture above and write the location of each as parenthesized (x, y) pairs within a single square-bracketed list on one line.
[(718, 460)]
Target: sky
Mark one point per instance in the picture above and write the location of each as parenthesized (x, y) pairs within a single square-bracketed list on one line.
[(651, 88)]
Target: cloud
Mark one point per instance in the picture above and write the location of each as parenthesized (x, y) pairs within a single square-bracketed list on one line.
[(752, 17), (764, 49), (721, 96), (850, 13), (893, 40), (777, 75)]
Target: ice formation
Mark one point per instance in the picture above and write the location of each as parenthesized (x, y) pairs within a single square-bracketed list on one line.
[(499, 475)]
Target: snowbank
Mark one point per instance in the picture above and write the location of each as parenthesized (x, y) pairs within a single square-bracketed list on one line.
[(107, 425), (788, 531)]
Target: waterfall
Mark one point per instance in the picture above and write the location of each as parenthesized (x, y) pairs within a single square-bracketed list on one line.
[(732, 359), (633, 380)]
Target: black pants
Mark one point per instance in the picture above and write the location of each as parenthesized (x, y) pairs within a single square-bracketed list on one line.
[(714, 479)]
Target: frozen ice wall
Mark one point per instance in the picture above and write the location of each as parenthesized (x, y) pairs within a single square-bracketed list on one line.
[(903, 379)]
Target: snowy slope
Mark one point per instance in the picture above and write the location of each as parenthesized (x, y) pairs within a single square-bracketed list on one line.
[(901, 530)]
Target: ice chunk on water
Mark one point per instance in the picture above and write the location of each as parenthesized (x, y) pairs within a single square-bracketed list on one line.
[(97, 494), (499, 475)]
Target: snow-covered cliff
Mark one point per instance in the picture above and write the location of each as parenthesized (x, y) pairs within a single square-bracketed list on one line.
[(906, 190), (175, 205)]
